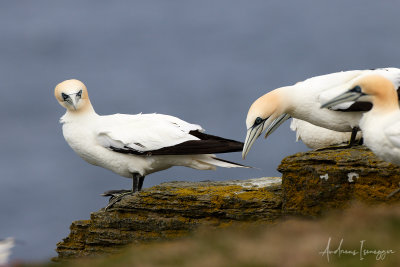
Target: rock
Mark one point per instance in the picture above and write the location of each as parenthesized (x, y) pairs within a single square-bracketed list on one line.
[(313, 183), (172, 210), (318, 181)]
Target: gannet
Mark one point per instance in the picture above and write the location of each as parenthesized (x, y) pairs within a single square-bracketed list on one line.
[(303, 101), (134, 146), (316, 137), (381, 125), (5, 250)]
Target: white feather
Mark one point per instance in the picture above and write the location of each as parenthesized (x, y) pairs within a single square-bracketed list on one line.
[(5, 250), (316, 137), (144, 132)]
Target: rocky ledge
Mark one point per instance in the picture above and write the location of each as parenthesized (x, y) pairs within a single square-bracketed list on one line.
[(172, 210), (312, 183), (318, 181)]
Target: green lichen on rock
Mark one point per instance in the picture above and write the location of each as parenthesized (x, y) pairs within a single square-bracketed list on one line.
[(312, 183), (173, 210), (317, 181)]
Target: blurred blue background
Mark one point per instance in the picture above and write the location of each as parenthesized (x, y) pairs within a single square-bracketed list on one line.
[(203, 61)]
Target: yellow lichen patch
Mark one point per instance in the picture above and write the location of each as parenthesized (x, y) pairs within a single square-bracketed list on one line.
[(223, 191), (258, 195), (374, 194)]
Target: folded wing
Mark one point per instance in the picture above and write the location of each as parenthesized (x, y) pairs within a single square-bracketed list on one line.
[(157, 134)]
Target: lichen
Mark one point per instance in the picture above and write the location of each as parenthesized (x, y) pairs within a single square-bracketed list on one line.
[(313, 183)]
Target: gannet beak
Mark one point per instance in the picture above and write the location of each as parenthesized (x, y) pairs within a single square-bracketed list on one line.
[(252, 134), (351, 95), (72, 99), (74, 103), (75, 99), (276, 123)]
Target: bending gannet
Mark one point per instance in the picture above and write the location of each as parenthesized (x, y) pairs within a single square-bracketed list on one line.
[(303, 101), (381, 125), (134, 146), (316, 137)]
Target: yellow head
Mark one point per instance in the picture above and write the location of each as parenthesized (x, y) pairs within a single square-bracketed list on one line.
[(374, 88), (267, 111), (73, 95)]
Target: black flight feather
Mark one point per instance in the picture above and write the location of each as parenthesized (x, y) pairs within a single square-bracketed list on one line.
[(208, 144)]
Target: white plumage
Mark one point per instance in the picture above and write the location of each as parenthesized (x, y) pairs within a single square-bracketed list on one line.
[(316, 137), (303, 101), (136, 145), (381, 125), (5, 250)]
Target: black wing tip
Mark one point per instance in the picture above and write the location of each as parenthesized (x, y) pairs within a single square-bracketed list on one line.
[(233, 163), (204, 136), (207, 144)]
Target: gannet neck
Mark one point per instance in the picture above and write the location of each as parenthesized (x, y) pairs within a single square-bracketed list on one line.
[(85, 109), (385, 103), (383, 93)]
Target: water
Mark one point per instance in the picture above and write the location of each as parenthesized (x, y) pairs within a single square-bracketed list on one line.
[(203, 61)]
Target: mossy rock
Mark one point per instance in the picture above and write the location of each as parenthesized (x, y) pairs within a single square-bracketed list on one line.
[(318, 181), (172, 210)]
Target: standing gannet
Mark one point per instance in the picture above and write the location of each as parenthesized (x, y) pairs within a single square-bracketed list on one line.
[(381, 125), (303, 101), (316, 137), (134, 146), (5, 250)]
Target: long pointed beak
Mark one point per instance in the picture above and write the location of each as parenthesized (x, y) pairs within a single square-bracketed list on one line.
[(74, 102), (276, 123), (252, 134), (75, 99), (345, 97)]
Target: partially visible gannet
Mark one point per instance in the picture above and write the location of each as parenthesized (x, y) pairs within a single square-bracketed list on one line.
[(5, 250), (303, 101), (316, 137), (134, 146), (381, 125)]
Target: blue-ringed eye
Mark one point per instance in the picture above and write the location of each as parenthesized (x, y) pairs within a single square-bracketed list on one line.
[(258, 121), (79, 93), (356, 89), (64, 96)]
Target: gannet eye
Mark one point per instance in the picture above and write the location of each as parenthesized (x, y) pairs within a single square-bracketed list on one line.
[(79, 93), (64, 96), (258, 121), (356, 89)]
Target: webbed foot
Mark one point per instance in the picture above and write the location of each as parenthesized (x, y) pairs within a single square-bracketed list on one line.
[(116, 197)]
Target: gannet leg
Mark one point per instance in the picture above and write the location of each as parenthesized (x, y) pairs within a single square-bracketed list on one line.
[(352, 141), (117, 195), (141, 180), (353, 136)]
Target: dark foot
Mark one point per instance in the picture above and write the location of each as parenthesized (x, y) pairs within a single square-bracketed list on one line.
[(111, 193), (351, 143), (117, 197), (335, 147), (394, 192)]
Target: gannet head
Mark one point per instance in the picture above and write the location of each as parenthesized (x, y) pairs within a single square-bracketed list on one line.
[(72, 94), (368, 88), (266, 111)]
